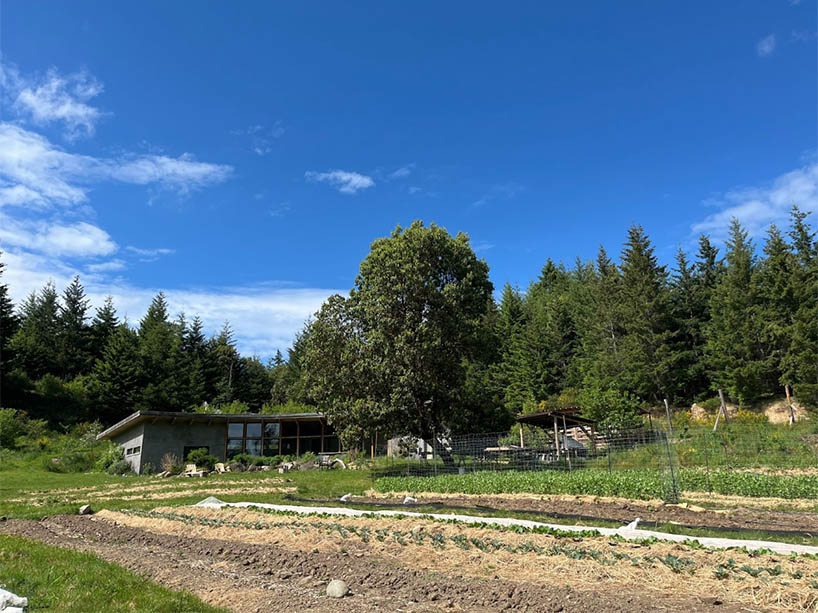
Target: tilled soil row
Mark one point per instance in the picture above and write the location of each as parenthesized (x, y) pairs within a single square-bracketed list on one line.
[(612, 510), (249, 577)]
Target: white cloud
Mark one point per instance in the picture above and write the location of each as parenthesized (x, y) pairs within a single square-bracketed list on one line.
[(479, 246), (415, 189), (766, 46), (39, 172), (56, 239), (149, 255), (55, 98), (261, 138), (346, 182), (109, 266), (402, 172), (499, 190), (264, 318), (758, 207)]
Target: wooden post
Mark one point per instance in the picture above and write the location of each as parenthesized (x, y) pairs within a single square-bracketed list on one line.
[(565, 434), (521, 437), (789, 404), (669, 421), (371, 447), (556, 437), (722, 409)]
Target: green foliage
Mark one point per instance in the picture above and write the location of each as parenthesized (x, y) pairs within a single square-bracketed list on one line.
[(637, 484), (109, 455), (613, 409), (120, 467), (392, 355), (202, 459), (10, 428), (289, 407)]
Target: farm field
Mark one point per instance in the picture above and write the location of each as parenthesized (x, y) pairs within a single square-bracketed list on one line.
[(240, 559)]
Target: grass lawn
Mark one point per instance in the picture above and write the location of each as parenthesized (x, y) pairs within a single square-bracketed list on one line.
[(56, 579)]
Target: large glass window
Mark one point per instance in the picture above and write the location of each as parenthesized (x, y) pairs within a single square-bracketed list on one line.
[(271, 429), (310, 428), (253, 431), (288, 446), (331, 444), (252, 446), (310, 443), (270, 446), (289, 428), (235, 430), (234, 447)]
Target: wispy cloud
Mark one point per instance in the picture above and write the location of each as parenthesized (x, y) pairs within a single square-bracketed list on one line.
[(402, 172), (479, 246), (766, 46), (346, 182), (414, 189), (109, 266), (79, 239), (803, 36), (149, 255), (758, 207), (261, 138), (280, 209), (499, 190), (33, 171), (54, 98)]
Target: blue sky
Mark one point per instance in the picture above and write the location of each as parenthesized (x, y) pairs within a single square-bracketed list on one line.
[(241, 157)]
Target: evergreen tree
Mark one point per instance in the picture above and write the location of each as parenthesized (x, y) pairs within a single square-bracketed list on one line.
[(160, 359), (774, 279), (601, 339), (226, 359), (646, 349), (800, 364), (733, 346), (8, 327), (74, 340), (116, 379), (103, 327), (35, 343)]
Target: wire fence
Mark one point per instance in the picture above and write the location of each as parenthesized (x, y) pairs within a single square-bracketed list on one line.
[(692, 451)]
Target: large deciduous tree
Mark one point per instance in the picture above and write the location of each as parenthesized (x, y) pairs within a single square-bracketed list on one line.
[(392, 356)]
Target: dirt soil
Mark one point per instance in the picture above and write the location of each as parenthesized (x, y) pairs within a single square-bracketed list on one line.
[(273, 577), (623, 511)]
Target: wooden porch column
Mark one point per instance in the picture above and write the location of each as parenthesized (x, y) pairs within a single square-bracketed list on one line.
[(565, 434), (556, 437)]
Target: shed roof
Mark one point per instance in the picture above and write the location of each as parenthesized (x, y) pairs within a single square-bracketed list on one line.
[(140, 416), (545, 419)]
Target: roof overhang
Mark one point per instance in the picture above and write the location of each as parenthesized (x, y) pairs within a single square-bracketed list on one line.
[(545, 419), (135, 419)]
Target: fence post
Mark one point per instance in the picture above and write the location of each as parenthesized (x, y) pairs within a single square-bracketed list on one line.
[(669, 421), (674, 492)]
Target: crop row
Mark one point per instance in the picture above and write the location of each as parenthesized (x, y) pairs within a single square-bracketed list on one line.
[(635, 484), (486, 545)]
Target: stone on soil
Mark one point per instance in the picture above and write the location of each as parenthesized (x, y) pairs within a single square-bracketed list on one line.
[(337, 589), (86, 509)]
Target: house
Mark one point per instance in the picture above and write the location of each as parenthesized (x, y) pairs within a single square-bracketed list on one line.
[(146, 436)]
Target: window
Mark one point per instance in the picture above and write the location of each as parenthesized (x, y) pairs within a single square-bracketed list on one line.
[(252, 446), (270, 446), (288, 446), (272, 429), (289, 428), (331, 444), (235, 430), (133, 450), (253, 431), (234, 447)]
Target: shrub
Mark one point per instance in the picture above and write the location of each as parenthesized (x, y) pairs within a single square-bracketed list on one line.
[(202, 459), (120, 467), (147, 469), (10, 428), (111, 454), (711, 405), (307, 458), (170, 463), (807, 395)]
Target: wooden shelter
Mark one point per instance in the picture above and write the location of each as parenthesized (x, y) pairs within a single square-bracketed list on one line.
[(559, 420)]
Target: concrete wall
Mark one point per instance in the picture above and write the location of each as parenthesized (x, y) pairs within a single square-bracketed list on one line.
[(132, 438), (163, 437)]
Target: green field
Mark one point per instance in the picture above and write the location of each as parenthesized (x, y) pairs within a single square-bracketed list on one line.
[(65, 581)]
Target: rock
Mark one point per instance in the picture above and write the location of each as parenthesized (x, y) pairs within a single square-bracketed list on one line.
[(12, 602), (252, 469), (337, 589), (86, 510), (409, 500), (345, 497)]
